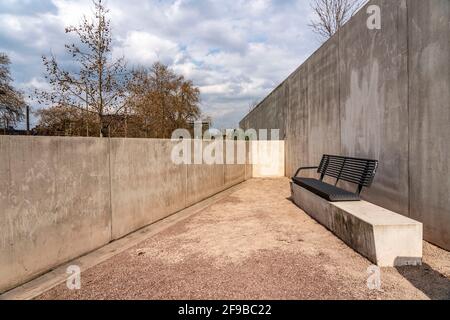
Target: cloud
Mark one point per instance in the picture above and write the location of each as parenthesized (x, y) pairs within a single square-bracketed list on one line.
[(236, 52), (144, 48)]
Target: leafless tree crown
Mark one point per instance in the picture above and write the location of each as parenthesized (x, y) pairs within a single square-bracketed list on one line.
[(101, 96), (99, 84), (162, 101), (331, 15), (12, 104)]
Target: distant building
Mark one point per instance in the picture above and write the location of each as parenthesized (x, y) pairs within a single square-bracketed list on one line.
[(206, 125), (10, 131)]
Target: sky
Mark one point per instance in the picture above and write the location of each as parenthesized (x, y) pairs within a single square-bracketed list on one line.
[(235, 51)]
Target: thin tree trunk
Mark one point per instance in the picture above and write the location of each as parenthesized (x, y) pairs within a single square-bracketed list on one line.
[(87, 112), (126, 123)]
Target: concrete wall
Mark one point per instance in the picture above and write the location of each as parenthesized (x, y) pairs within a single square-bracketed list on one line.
[(54, 203), (380, 94), (63, 197), (268, 159), (429, 117), (145, 185)]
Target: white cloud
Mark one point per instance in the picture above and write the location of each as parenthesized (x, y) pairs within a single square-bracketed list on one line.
[(235, 51), (144, 48)]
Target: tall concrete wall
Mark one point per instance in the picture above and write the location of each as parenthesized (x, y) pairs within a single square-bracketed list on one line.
[(63, 197), (380, 94), (429, 117), (374, 100)]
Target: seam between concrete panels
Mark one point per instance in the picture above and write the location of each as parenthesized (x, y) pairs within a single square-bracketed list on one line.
[(186, 177), (408, 107), (110, 190), (9, 148), (339, 89)]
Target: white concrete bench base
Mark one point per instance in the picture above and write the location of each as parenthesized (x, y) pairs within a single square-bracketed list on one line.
[(384, 237)]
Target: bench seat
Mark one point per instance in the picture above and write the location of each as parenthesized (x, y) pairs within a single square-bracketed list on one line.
[(325, 190)]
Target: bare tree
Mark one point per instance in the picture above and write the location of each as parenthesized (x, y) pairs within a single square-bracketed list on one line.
[(66, 121), (331, 15), (162, 100), (12, 104), (99, 84), (252, 105)]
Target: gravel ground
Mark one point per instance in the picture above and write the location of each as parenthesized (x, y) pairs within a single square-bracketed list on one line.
[(254, 244)]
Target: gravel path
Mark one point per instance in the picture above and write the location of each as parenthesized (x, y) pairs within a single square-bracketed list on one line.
[(254, 244)]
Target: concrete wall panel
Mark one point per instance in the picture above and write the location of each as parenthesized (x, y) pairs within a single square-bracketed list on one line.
[(63, 197), (146, 185), (374, 100), (323, 102), (270, 114), (268, 159), (234, 172), (429, 96), (54, 206), (297, 122), (204, 180)]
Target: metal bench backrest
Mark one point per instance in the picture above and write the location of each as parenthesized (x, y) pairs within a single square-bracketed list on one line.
[(353, 170)]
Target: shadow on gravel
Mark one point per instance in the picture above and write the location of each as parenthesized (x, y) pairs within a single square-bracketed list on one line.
[(431, 282)]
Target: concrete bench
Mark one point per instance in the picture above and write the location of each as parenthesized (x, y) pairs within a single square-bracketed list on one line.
[(384, 237)]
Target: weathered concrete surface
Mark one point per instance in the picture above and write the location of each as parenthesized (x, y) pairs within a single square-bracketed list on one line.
[(235, 160), (63, 197), (384, 237), (54, 203), (429, 117), (248, 164), (58, 276), (297, 127), (323, 102), (374, 100), (204, 180), (380, 94), (270, 113), (146, 185)]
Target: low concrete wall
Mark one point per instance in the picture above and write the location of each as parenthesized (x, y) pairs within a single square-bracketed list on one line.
[(145, 185), (54, 203), (63, 197)]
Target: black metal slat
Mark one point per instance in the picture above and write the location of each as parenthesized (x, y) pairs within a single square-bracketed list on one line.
[(357, 173), (356, 180), (359, 161), (354, 176), (361, 178), (349, 158), (362, 166), (354, 170)]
